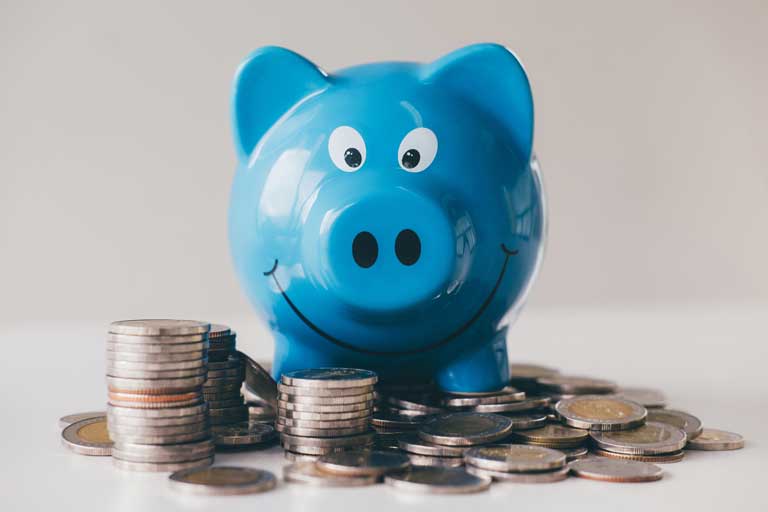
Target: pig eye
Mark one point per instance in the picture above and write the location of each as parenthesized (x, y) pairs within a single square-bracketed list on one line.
[(417, 150), (346, 148)]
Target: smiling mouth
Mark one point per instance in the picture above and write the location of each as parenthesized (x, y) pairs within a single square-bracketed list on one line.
[(439, 343)]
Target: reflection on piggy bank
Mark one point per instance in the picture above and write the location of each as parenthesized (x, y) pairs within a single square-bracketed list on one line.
[(388, 216)]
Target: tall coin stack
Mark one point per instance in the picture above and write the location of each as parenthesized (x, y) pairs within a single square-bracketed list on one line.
[(225, 379), (156, 414), (325, 410)]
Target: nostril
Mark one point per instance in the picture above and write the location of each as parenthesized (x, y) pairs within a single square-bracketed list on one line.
[(407, 247), (365, 249)]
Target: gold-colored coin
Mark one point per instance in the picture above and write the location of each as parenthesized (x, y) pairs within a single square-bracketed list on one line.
[(88, 437), (651, 439), (715, 440), (598, 412), (660, 459), (553, 435)]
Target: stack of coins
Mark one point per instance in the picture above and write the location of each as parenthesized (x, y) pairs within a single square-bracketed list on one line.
[(156, 414), (517, 463), (325, 410), (222, 389)]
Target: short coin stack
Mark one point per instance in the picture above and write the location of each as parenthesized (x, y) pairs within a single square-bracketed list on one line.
[(325, 410), (225, 379), (517, 463), (156, 414)]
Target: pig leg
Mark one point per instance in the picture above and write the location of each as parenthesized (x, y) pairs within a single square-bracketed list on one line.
[(485, 368)]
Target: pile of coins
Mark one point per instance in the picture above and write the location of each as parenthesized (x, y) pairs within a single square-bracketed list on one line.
[(156, 415), (225, 379), (325, 410)]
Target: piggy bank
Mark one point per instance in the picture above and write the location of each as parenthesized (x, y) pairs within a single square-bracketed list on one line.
[(388, 216)]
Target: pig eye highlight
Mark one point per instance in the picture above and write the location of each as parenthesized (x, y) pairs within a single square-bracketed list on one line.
[(417, 150), (346, 148)]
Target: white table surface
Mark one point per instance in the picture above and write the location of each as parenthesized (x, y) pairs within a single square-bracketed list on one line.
[(711, 361)]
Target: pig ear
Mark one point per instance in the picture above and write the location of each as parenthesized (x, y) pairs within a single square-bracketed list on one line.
[(490, 77), (267, 84)]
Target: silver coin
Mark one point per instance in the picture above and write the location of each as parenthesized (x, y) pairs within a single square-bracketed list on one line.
[(156, 422), (139, 357), (299, 457), (243, 434), (529, 404), (524, 371), (310, 473), (166, 439), (185, 452), (653, 438), (716, 440), (118, 383), (514, 458), (69, 419), (232, 362), (615, 470), (527, 421), (129, 338), (227, 373), (219, 331), (688, 423), (363, 462), (153, 348), (437, 480), (170, 412), (596, 412), (321, 432), (152, 374), (412, 443), (286, 390), (439, 462), (574, 453), (326, 416), (541, 477), (291, 406), (505, 395), (648, 398), (325, 400), (396, 421), (330, 378), (290, 422), (138, 404), (159, 327), (160, 467), (318, 451), (354, 440), (153, 366), (117, 429), (553, 436), (408, 413), (223, 481), (88, 437), (656, 459), (424, 403), (465, 428), (576, 385)]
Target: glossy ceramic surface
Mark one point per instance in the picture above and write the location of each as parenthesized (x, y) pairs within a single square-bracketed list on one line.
[(388, 216)]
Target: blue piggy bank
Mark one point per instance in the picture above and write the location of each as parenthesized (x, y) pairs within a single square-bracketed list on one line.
[(388, 216)]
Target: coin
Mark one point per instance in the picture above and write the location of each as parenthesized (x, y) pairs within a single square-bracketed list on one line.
[(166, 439), (553, 435), (327, 416), (69, 419), (299, 457), (88, 437), (159, 327), (527, 421), (330, 378), (153, 386), (118, 349), (425, 403), (508, 394), (117, 364), (653, 438), (514, 458), (395, 421), (143, 404), (363, 462), (219, 331), (688, 423), (232, 361), (159, 374), (715, 440), (541, 477), (156, 422), (223, 481), (130, 338), (439, 462), (438, 480), (355, 440), (184, 452), (160, 467), (290, 422), (597, 412), (318, 451), (530, 403), (649, 398), (118, 429), (290, 406), (138, 357), (309, 473), (615, 470), (226, 373), (259, 380), (656, 459), (414, 444), (574, 453), (321, 432), (243, 434), (170, 412), (325, 400), (524, 371), (284, 389), (576, 385), (465, 428)]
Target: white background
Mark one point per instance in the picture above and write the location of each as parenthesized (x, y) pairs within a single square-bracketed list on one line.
[(116, 161)]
